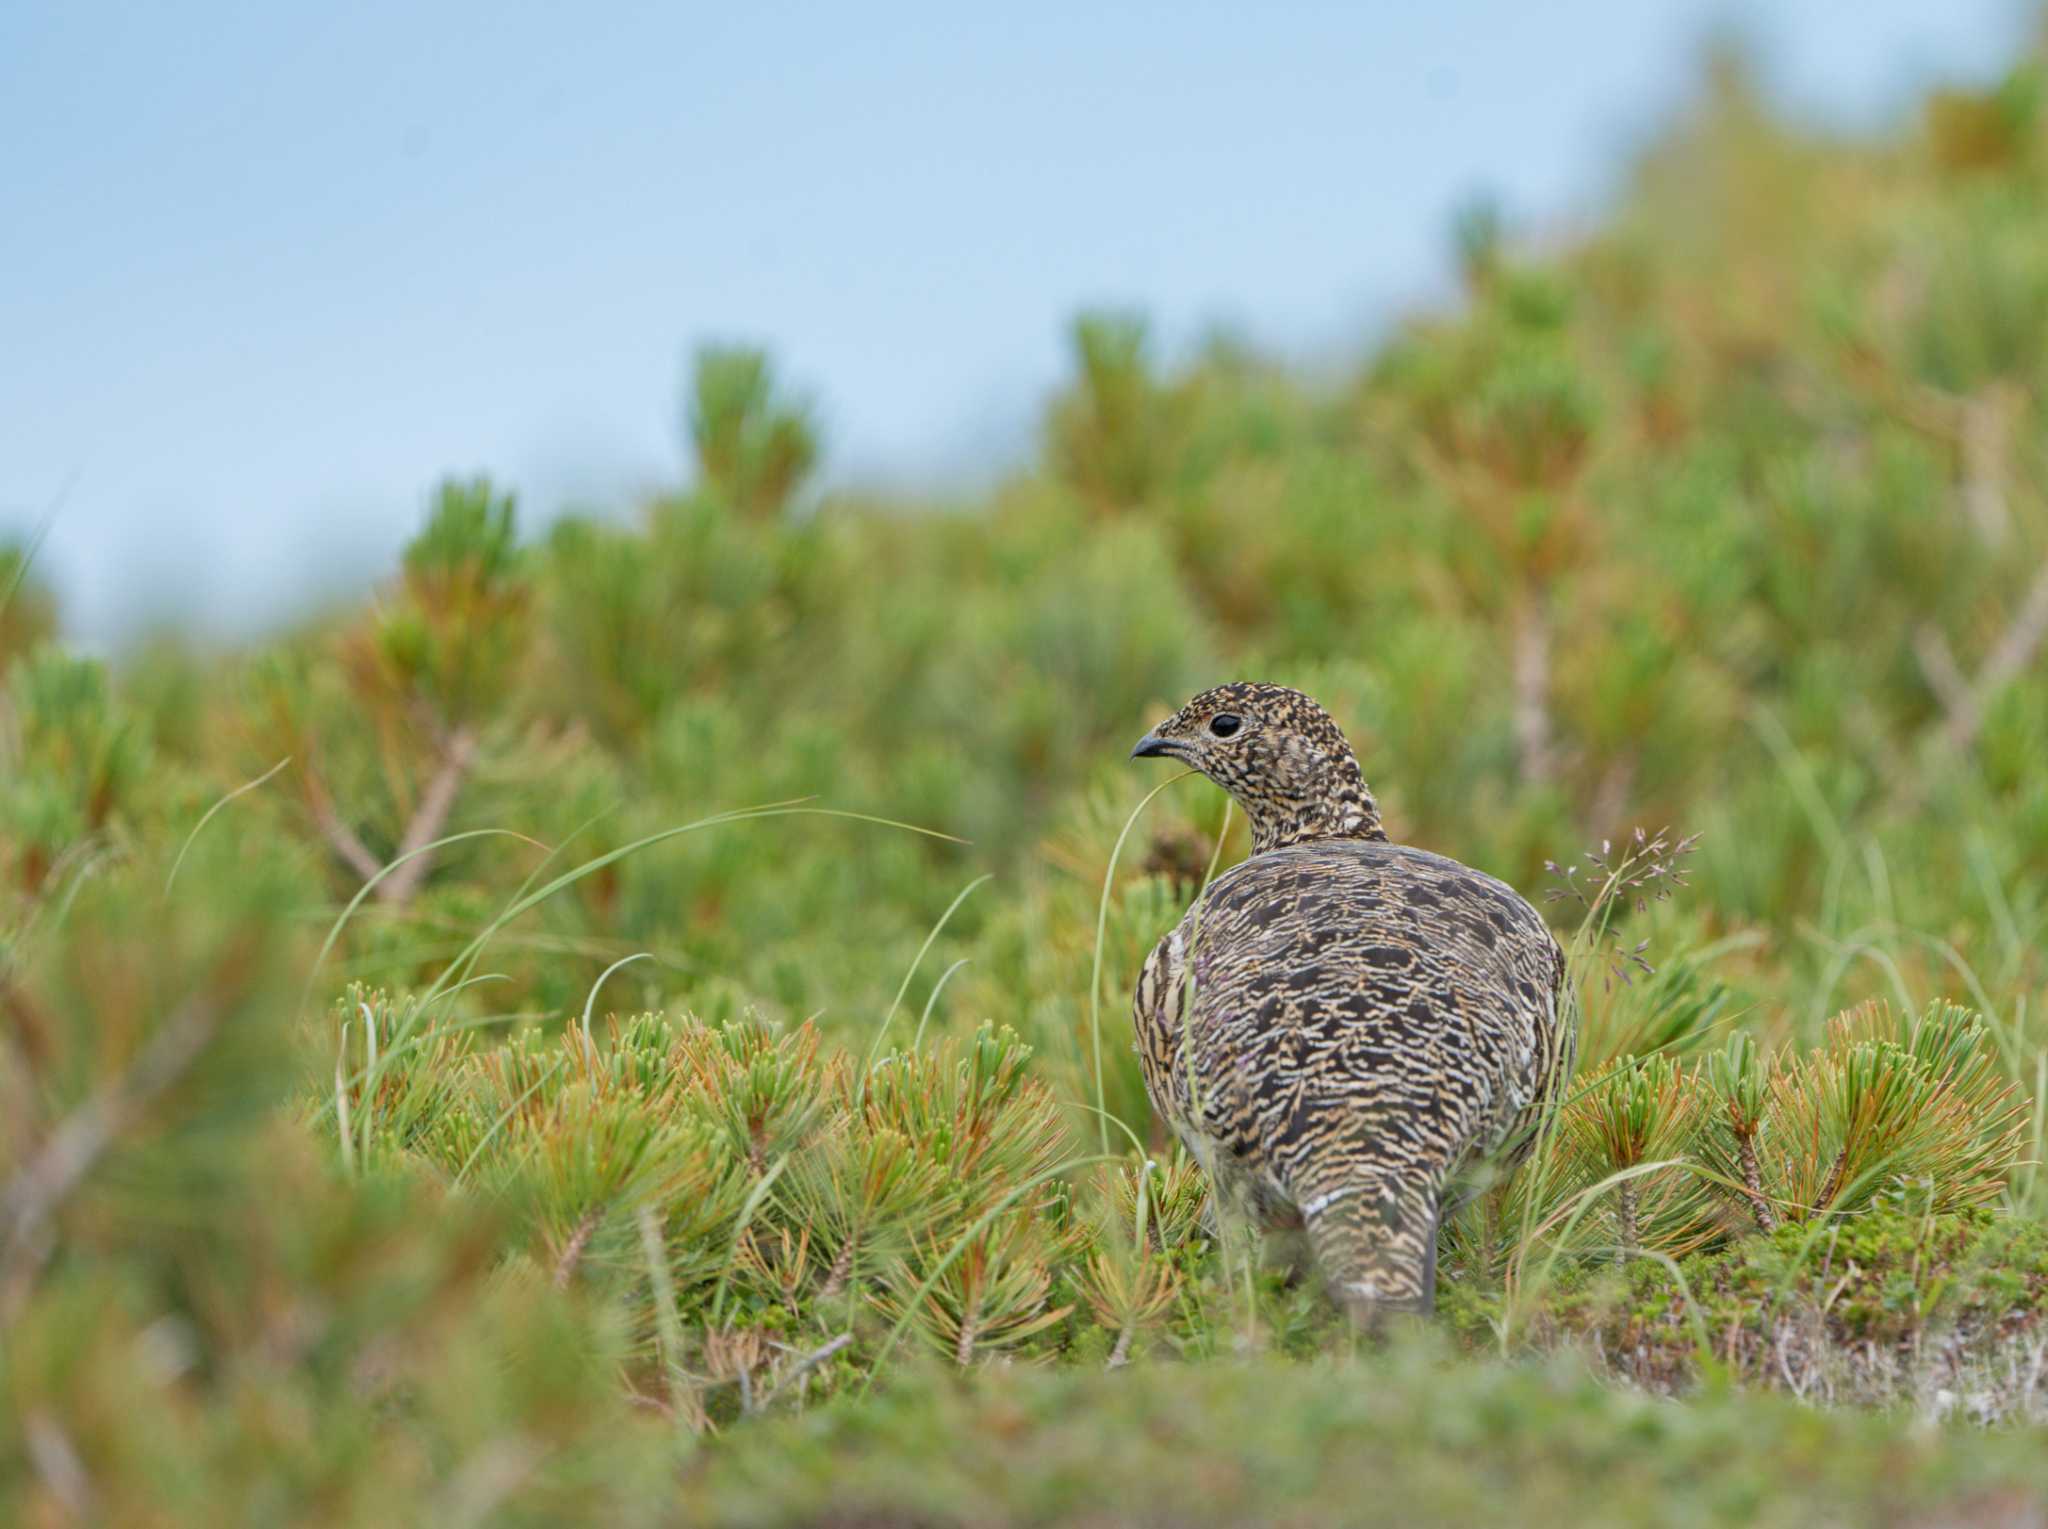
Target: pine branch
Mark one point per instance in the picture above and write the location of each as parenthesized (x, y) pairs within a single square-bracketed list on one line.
[(38, 1191), (1625, 1215), (1939, 668), (1988, 421), (1120, 1355), (353, 852), (842, 1267), (1532, 692), (572, 1251), (1752, 1178), (970, 1330), (56, 1461), (2016, 647), (432, 816), (428, 819), (803, 1367), (1610, 797), (1966, 701), (1833, 1186)]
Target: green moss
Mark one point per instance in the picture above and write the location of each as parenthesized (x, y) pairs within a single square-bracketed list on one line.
[(1876, 1292)]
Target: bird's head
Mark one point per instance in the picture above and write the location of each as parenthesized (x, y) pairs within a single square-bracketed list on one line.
[(1281, 757)]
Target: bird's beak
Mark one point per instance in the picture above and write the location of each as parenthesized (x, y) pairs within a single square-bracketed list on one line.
[(1152, 746)]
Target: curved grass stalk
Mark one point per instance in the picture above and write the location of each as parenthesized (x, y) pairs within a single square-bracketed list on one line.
[(1585, 941), (481, 1022), (454, 974), (207, 817), (531, 942), (756, 1197), (932, 998), (567, 839), (1188, 969), (1799, 775), (1995, 900), (391, 1053), (1122, 1125), (1880, 877), (78, 863), (1101, 929), (500, 1123), (341, 920), (1571, 1213), (875, 1046), (522, 899), (348, 1147), (567, 878), (35, 543), (1542, 1162), (1144, 1173), (1844, 953), (2038, 1134), (371, 1074), (1216, 852), (592, 997), (1979, 994)]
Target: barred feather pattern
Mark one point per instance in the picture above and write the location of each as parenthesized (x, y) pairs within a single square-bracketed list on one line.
[(1340, 1024)]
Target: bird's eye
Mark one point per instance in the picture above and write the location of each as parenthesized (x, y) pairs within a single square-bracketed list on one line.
[(1223, 724)]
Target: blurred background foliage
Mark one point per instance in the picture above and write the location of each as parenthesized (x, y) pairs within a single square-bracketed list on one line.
[(1730, 514)]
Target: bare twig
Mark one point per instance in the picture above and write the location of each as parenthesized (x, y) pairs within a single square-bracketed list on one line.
[(487, 1478), (57, 1462), (35, 1194), (2021, 640), (1939, 668), (2008, 659), (411, 862), (430, 818), (803, 1367), (341, 838), (1532, 692), (1986, 423), (1610, 797), (1121, 1354)]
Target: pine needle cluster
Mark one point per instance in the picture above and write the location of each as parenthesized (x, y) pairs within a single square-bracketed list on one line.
[(730, 1179)]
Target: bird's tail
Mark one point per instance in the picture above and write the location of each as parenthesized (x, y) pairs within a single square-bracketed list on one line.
[(1374, 1237)]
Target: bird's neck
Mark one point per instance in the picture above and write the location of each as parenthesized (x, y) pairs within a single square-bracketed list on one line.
[(1330, 802)]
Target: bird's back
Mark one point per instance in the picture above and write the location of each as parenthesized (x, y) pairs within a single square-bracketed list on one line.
[(1347, 1002)]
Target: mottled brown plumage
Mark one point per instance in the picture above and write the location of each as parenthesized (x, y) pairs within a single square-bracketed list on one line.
[(1340, 1024)]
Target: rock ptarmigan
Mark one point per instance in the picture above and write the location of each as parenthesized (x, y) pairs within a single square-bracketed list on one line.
[(1339, 1023)]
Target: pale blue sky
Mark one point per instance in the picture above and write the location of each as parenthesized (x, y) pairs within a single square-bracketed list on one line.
[(267, 270)]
